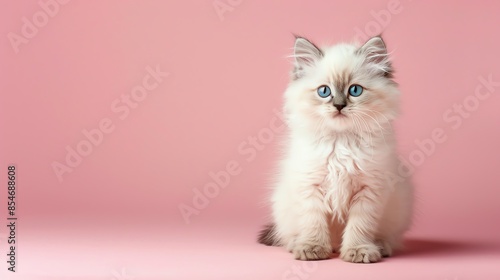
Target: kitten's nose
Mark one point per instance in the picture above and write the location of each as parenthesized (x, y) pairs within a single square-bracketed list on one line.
[(339, 106)]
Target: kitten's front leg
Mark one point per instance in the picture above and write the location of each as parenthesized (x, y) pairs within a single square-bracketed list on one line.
[(313, 239), (358, 244)]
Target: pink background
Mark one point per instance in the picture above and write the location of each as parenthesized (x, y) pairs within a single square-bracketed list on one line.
[(116, 215)]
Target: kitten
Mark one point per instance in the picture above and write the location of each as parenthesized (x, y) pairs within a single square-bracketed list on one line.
[(338, 189)]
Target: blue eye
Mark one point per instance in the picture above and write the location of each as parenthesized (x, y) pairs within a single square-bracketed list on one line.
[(355, 90), (324, 91)]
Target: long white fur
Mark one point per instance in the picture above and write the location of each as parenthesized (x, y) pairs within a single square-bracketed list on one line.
[(338, 188)]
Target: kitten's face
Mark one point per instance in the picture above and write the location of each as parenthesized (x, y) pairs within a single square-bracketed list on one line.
[(343, 88)]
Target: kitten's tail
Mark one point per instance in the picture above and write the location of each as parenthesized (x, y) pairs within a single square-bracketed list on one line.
[(267, 236)]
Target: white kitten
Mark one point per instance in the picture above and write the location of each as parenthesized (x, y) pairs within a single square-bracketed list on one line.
[(338, 188)]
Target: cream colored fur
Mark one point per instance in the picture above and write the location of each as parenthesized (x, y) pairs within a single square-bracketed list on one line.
[(336, 189)]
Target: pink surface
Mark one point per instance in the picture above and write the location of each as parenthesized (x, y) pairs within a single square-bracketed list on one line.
[(114, 213)]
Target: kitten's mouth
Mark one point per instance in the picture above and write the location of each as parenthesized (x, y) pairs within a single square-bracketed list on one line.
[(339, 115)]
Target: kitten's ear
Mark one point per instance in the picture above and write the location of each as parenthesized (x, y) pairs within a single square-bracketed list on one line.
[(306, 54), (375, 52)]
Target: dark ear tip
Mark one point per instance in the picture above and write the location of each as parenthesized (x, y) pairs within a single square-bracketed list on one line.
[(298, 37), (379, 37)]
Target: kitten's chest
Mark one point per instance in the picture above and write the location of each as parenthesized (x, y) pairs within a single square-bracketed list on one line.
[(345, 163), (344, 173)]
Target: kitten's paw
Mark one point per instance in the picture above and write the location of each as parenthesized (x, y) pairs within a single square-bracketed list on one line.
[(311, 252), (385, 248), (366, 253)]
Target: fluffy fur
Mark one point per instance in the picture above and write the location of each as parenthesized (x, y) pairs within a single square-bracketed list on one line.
[(338, 188)]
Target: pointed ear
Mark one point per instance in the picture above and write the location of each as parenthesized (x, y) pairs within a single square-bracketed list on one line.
[(375, 52), (306, 54)]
